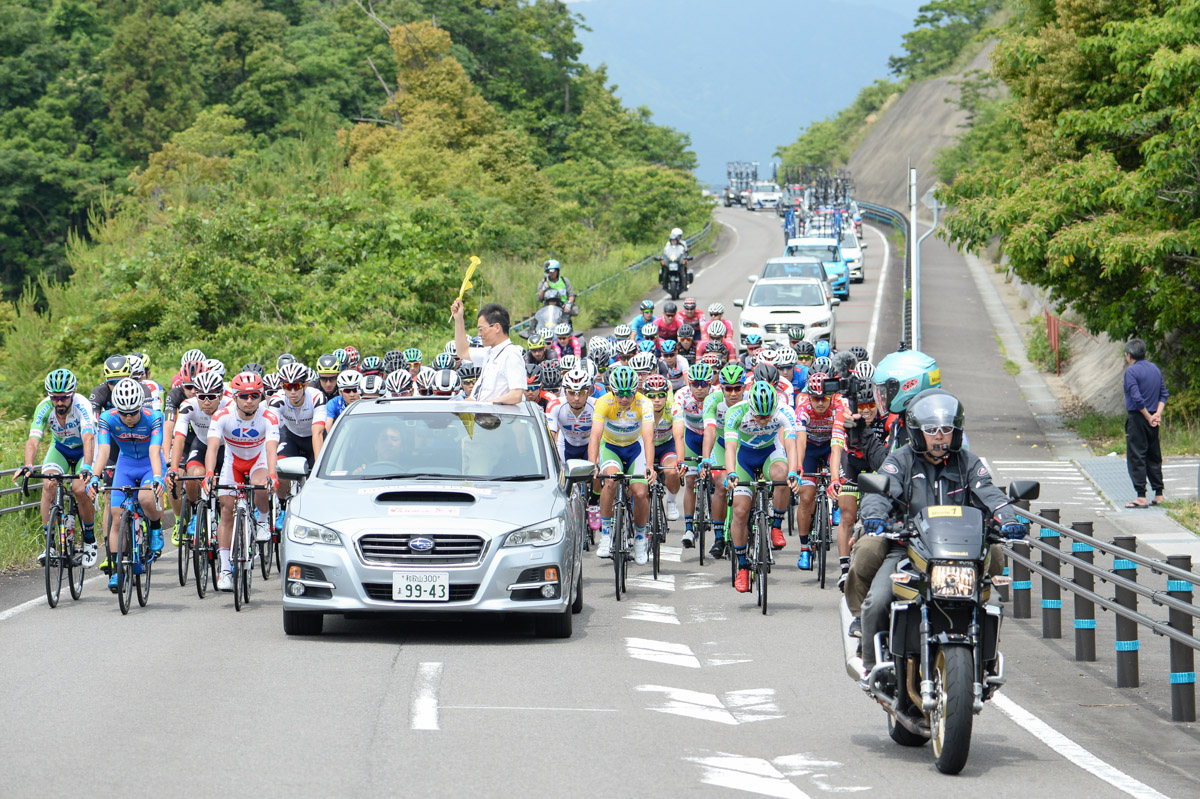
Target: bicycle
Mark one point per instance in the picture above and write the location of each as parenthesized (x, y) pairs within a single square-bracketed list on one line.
[(822, 524), (658, 527), (621, 549), (205, 549), (62, 550), (702, 518), (134, 556), (268, 551), (241, 553), (186, 539)]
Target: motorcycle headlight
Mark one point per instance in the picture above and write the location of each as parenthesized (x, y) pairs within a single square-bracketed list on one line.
[(952, 580), (538, 535)]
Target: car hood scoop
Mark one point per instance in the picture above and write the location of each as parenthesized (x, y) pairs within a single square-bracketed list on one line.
[(425, 497)]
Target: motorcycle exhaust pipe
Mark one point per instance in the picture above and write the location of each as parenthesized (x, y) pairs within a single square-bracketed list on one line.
[(854, 663)]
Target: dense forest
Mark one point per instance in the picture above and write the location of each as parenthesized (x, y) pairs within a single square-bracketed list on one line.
[(256, 175)]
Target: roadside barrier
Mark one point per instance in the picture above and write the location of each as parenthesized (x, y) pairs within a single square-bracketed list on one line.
[(890, 216), (16, 489)]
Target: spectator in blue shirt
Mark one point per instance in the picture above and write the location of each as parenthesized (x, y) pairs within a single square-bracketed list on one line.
[(1145, 397)]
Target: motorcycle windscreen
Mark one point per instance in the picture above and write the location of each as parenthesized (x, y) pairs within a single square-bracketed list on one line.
[(951, 532)]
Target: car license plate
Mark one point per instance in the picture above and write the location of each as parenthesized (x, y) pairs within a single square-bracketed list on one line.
[(421, 586)]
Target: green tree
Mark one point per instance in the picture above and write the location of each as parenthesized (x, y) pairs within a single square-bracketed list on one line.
[(939, 33)]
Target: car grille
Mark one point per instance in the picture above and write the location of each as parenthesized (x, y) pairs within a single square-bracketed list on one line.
[(382, 592), (392, 549), (776, 328)]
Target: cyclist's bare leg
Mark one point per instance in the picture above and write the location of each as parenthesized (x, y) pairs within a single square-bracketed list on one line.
[(672, 474), (779, 497), (689, 496), (47, 500), (849, 507), (805, 506), (641, 503), (192, 488), (719, 497), (261, 499), (146, 500), (739, 532), (87, 511), (225, 527)]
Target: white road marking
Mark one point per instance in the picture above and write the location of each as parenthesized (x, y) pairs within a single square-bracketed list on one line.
[(524, 707), (706, 614), (665, 582), (648, 611), (1073, 751), (671, 554), (804, 765), (699, 580), (662, 652), (425, 696), (740, 707), (753, 704), (874, 330), (737, 238), (30, 603), (752, 774)]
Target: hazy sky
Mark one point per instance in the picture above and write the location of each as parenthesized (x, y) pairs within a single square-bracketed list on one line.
[(742, 77)]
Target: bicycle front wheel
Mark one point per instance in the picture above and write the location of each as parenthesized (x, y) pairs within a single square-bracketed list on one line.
[(701, 521), (75, 567), (54, 558), (142, 581), (821, 545), (763, 568), (184, 552), (125, 564), (658, 531), (616, 549), (238, 561)]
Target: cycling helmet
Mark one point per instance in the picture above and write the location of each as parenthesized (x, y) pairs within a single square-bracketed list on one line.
[(589, 366), (371, 384), (61, 381), (859, 352), (763, 398), (717, 348), (398, 383), (712, 359), (372, 365), (246, 381), (342, 358), (670, 307), (822, 363), (650, 331), (443, 360), (822, 349), (352, 357), (767, 373), (864, 371), (568, 362), (805, 348), (562, 329), (754, 340), (213, 365), (717, 330), (668, 347), (191, 355), (451, 347), (700, 373), (349, 379), (764, 356), (686, 331), (137, 366), (934, 407), (646, 345), (642, 362), (622, 380), (423, 382), (271, 382), (145, 360), (327, 366), (733, 375), (716, 308), (576, 380), (816, 384), (128, 395), (647, 305), (785, 357), (283, 360), (469, 371), (475, 341), (190, 370), (689, 304), (413, 355), (312, 375), (257, 368), (626, 347), (393, 360), (866, 392), (623, 331), (913, 371), (533, 376), (294, 372), (599, 346), (551, 266), (536, 342), (209, 383), (656, 383), (551, 377), (795, 332)]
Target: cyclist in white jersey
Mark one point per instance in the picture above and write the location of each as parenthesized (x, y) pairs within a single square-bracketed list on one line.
[(189, 444)]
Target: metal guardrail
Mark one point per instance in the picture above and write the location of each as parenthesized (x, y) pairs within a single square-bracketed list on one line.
[(899, 221), (16, 489), (704, 231), (1177, 599)]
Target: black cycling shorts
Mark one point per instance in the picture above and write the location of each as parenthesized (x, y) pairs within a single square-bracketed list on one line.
[(292, 445)]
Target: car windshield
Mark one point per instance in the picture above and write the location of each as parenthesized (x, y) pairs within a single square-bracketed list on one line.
[(849, 241), (794, 269), (789, 294), (481, 446), (769, 187), (822, 252)]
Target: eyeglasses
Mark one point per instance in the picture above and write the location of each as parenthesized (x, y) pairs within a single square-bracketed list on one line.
[(292, 386), (804, 359), (349, 390), (700, 383), (61, 397), (189, 386), (482, 328), (327, 378), (738, 387), (249, 395), (128, 414), (208, 397), (656, 395), (937, 429), (866, 406), (581, 393), (625, 394)]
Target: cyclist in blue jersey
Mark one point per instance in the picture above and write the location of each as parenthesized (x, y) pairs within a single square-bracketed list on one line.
[(137, 434)]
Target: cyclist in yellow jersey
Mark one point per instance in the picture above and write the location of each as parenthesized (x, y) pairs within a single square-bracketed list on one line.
[(622, 435)]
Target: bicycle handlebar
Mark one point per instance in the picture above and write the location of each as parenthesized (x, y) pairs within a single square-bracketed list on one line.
[(129, 491), (182, 479)]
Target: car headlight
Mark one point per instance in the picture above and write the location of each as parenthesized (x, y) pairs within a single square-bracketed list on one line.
[(952, 580), (543, 534), (822, 323), (749, 324), (302, 532)]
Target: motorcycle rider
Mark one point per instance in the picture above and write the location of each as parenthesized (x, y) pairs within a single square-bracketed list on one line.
[(676, 239), (554, 280), (676, 250), (933, 469)]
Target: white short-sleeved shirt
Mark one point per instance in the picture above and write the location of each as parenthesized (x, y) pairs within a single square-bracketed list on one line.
[(502, 370)]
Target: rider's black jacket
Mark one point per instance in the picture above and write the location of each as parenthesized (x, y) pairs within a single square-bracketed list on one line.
[(915, 484)]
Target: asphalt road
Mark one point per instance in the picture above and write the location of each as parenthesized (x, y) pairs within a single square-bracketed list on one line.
[(682, 689)]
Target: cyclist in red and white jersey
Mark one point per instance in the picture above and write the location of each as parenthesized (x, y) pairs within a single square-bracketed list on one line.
[(821, 440)]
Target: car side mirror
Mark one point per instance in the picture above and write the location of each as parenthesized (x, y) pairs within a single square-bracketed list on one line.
[(739, 303), (836, 302), (1024, 489), (872, 483), (294, 468), (751, 278), (863, 246), (579, 469)]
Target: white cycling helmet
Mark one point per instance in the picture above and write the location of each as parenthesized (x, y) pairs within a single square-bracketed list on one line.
[(623, 331), (424, 381), (598, 345), (137, 365), (191, 355), (864, 370), (785, 357), (294, 372), (209, 383), (350, 378), (128, 395), (452, 348), (370, 384), (215, 366), (642, 362), (626, 347), (577, 380), (717, 330), (765, 356), (398, 383), (446, 383), (568, 362), (562, 329), (716, 308), (650, 331)]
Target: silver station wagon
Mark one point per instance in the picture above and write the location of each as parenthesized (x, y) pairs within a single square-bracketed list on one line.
[(426, 506)]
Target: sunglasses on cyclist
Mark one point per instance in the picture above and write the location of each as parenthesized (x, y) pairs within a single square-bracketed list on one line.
[(293, 386), (624, 394), (249, 395), (188, 386), (61, 397), (656, 395), (804, 359), (737, 387), (129, 414), (208, 397), (866, 406), (581, 393), (700, 383), (937, 429), (349, 390)]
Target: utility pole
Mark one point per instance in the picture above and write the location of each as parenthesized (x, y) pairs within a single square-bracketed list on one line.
[(915, 304)]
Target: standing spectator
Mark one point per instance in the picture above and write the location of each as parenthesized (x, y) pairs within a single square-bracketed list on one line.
[(1145, 397), (502, 363)]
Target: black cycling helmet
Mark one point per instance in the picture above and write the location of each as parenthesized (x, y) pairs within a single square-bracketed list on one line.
[(533, 376), (768, 372), (284, 360), (934, 407), (256, 368), (859, 352), (669, 307), (469, 371), (551, 377), (686, 331), (806, 348)]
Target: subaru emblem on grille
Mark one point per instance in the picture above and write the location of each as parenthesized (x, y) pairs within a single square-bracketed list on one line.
[(420, 544)]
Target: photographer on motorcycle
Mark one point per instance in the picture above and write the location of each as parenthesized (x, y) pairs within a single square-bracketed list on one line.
[(933, 469), (554, 280)]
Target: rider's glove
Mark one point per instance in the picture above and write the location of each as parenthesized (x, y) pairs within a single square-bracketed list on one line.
[(156, 483), (273, 479), (210, 480), (835, 487), (730, 478), (1015, 530), (875, 526), (85, 471), (24, 470), (95, 484)]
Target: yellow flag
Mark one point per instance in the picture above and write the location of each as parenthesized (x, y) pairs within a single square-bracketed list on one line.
[(466, 284)]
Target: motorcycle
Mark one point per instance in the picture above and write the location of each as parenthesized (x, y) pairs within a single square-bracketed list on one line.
[(939, 659), (545, 320), (674, 276)]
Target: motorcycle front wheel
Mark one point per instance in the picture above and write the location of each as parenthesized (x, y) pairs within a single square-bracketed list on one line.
[(950, 722)]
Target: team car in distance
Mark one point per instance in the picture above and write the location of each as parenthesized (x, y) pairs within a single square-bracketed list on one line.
[(435, 506), (764, 194), (777, 303)]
